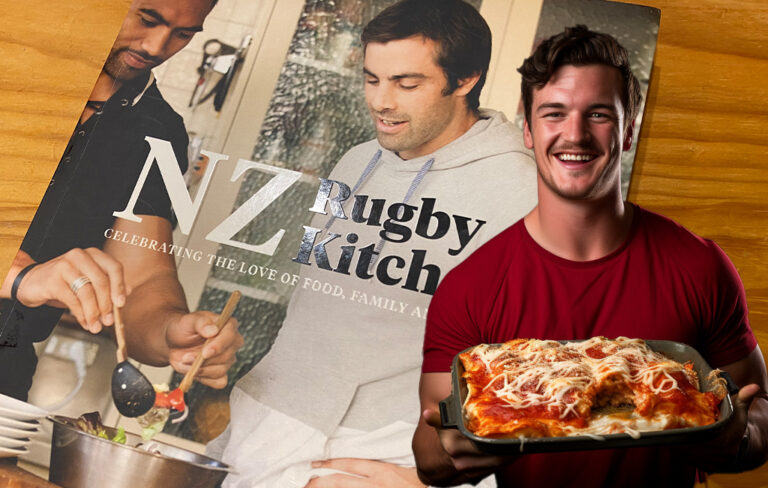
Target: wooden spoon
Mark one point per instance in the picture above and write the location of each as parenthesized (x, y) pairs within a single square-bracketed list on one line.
[(186, 382), (226, 313)]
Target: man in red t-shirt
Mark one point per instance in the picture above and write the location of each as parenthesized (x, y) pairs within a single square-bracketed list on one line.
[(586, 263)]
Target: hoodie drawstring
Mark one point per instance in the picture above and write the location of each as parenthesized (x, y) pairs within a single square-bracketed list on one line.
[(411, 190), (364, 176)]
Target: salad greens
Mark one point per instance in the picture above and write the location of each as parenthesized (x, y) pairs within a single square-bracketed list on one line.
[(91, 423)]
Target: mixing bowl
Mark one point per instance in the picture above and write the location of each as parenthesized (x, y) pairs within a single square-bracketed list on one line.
[(82, 460)]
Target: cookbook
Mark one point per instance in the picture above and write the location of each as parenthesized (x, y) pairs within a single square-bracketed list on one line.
[(258, 148)]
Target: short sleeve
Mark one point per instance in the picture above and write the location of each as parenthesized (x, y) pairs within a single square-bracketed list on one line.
[(729, 336)]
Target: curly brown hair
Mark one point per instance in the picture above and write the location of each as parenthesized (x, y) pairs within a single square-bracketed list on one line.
[(579, 46)]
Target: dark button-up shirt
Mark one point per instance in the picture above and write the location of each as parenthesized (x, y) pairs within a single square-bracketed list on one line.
[(95, 178)]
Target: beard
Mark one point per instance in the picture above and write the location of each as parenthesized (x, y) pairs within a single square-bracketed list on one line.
[(419, 131), (119, 70)]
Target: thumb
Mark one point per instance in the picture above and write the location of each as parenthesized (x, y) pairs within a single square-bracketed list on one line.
[(432, 417), (745, 396), (186, 330), (205, 325)]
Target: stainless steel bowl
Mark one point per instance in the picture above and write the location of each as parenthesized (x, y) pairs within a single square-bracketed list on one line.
[(81, 460)]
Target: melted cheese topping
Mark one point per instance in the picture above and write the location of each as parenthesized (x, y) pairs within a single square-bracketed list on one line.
[(534, 388)]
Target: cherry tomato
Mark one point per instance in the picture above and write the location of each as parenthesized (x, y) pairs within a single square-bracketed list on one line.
[(176, 400)]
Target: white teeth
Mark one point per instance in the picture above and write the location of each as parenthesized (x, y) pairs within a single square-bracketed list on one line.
[(389, 123), (574, 157)]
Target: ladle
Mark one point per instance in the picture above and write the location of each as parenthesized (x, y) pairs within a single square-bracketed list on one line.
[(132, 392)]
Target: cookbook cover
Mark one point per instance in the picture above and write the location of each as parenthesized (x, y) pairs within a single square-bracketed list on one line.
[(256, 141)]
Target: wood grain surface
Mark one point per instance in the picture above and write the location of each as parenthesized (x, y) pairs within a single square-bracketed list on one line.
[(12, 476), (50, 55), (700, 157), (703, 141)]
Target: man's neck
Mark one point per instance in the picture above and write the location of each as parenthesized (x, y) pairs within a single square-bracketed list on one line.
[(105, 87), (580, 230)]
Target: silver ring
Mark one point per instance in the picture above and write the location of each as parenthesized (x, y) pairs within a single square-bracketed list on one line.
[(79, 283)]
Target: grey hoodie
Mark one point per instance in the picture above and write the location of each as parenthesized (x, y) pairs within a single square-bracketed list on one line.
[(351, 357)]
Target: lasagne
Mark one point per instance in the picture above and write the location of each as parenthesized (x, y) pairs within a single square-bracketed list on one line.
[(529, 388)]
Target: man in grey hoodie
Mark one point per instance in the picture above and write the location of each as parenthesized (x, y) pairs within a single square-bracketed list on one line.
[(335, 400)]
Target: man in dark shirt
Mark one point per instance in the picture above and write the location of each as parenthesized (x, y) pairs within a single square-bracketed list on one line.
[(64, 261)]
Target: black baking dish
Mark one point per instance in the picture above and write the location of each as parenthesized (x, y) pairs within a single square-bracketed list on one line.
[(452, 415)]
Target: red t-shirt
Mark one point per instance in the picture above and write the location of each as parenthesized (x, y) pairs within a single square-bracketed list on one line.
[(663, 283)]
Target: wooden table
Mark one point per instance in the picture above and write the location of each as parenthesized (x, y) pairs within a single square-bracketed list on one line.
[(704, 140), (701, 157), (12, 476)]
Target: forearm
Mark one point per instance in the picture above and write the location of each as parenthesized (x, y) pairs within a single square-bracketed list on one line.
[(433, 464), (150, 309), (755, 451), (743, 443), (20, 261)]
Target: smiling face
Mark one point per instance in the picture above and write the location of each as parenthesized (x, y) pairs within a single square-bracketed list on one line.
[(153, 31), (405, 90), (577, 132)]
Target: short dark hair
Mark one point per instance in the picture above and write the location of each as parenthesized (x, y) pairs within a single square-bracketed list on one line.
[(579, 46), (462, 36)]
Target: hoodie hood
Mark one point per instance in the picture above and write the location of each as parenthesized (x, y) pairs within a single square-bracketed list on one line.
[(492, 135)]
